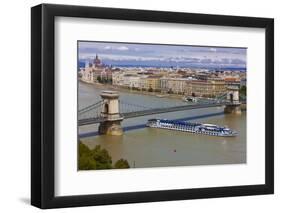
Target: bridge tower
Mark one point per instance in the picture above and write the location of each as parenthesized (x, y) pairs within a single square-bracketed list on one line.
[(110, 111), (233, 106)]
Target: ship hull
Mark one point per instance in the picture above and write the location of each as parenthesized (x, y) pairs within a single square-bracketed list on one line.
[(193, 128)]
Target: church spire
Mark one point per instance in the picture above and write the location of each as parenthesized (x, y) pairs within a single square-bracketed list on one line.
[(97, 61)]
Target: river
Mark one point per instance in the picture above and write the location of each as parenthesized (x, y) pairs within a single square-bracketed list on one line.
[(146, 147)]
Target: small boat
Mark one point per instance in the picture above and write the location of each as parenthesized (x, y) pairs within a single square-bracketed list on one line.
[(161, 96), (196, 128), (189, 99)]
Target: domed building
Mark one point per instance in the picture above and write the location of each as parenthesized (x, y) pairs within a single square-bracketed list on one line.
[(97, 62), (95, 70)]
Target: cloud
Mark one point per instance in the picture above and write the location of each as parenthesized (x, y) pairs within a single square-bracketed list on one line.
[(206, 61), (163, 54), (122, 48), (237, 61), (225, 61), (107, 47)]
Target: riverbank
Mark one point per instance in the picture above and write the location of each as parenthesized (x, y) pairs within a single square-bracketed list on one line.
[(122, 89), (131, 91)]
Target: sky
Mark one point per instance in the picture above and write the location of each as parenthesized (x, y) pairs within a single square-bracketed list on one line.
[(136, 54)]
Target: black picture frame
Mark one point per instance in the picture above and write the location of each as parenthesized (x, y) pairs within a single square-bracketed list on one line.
[(43, 105)]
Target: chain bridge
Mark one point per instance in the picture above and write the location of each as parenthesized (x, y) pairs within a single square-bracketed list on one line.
[(110, 108)]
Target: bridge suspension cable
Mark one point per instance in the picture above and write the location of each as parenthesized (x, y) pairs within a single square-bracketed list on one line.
[(92, 113), (222, 96), (129, 107), (90, 107)]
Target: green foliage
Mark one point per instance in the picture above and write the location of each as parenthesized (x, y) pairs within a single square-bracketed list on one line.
[(121, 164), (243, 90), (104, 80), (93, 159), (83, 149), (85, 161), (102, 158), (97, 158)]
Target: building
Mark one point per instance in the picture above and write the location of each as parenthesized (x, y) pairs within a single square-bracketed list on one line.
[(131, 81), (143, 82), (173, 85), (243, 82), (232, 81), (95, 71), (164, 86), (152, 83), (205, 88), (87, 75), (118, 78), (126, 80)]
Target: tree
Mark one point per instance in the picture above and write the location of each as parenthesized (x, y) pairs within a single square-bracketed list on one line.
[(102, 158), (99, 79), (85, 161), (150, 89), (170, 91), (121, 164), (83, 149), (97, 158), (243, 90)]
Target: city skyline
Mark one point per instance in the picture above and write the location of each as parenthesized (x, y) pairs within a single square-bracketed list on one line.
[(135, 54), (148, 105)]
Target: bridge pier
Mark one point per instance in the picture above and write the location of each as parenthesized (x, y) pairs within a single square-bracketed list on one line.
[(110, 112), (234, 105), (113, 128), (232, 109)]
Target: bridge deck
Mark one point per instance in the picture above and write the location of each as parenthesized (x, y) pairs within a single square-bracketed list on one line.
[(126, 115)]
